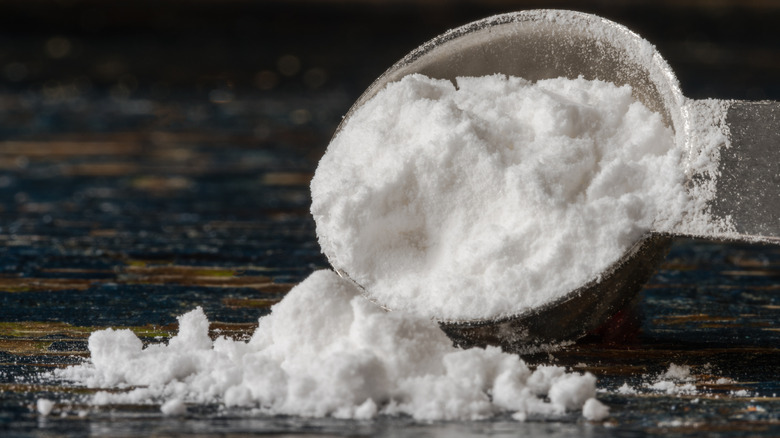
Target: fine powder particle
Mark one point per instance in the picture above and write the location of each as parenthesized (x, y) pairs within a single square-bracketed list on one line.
[(173, 407), (594, 410), (44, 406), (493, 195), (327, 351)]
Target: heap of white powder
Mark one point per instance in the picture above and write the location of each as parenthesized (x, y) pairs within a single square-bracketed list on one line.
[(492, 195), (327, 351)]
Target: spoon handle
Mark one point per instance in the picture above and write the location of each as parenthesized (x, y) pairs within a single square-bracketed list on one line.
[(748, 177)]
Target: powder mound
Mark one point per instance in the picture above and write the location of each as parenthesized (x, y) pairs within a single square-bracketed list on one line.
[(326, 351), (492, 195)]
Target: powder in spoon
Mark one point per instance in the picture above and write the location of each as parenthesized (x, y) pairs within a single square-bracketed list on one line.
[(492, 195)]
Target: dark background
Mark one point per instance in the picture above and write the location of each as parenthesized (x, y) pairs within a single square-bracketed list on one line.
[(722, 49)]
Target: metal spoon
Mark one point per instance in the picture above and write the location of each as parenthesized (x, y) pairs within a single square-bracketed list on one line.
[(544, 44)]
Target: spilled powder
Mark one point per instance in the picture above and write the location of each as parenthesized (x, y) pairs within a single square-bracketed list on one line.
[(493, 195), (677, 372), (675, 380), (327, 351), (679, 380)]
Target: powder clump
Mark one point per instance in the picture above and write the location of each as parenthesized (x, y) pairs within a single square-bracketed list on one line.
[(492, 195), (594, 410), (44, 406)]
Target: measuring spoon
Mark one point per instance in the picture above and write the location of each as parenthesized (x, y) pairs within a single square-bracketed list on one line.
[(541, 44)]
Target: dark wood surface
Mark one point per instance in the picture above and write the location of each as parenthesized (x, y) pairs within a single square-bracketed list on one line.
[(149, 165)]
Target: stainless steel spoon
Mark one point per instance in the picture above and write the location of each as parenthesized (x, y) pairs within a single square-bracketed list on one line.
[(542, 44)]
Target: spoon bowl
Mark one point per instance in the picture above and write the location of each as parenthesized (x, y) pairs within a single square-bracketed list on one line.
[(542, 44)]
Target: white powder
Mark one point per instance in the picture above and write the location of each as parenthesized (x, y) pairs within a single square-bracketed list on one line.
[(494, 195), (673, 388), (481, 200), (708, 135), (594, 410), (681, 380), (677, 372), (173, 407), (44, 406), (676, 380), (326, 351), (626, 389)]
